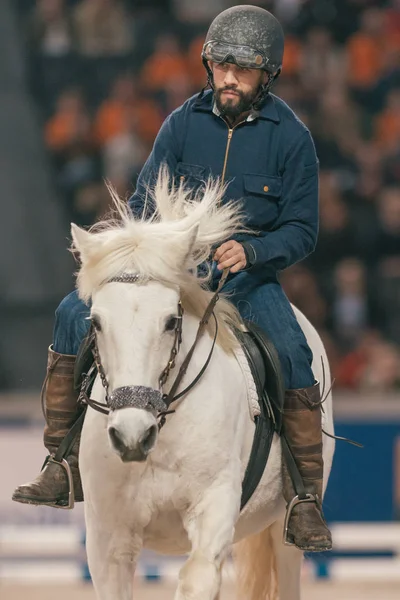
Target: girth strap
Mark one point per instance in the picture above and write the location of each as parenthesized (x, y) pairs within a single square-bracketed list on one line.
[(259, 454)]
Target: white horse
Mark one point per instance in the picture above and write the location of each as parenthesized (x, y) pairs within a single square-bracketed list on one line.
[(185, 497)]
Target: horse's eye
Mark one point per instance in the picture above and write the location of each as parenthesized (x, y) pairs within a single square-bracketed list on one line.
[(171, 323), (96, 323)]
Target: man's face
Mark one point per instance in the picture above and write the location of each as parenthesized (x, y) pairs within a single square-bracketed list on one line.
[(235, 88)]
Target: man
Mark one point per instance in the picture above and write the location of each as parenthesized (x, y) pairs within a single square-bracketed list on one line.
[(256, 144)]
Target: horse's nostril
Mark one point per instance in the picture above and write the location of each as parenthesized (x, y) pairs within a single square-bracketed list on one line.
[(116, 439), (148, 440)]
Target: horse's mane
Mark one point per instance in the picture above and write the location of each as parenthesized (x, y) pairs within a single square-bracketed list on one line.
[(168, 246)]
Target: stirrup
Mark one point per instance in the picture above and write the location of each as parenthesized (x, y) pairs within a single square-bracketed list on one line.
[(71, 494), (294, 502)]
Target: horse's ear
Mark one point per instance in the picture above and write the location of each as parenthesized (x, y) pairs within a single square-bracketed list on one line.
[(81, 239)]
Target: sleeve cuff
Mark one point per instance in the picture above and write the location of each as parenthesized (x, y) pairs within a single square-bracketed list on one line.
[(250, 254)]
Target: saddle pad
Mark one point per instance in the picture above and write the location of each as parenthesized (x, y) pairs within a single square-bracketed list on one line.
[(252, 395)]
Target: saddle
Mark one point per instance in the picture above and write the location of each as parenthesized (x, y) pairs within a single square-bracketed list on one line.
[(266, 371), (267, 374), (265, 368)]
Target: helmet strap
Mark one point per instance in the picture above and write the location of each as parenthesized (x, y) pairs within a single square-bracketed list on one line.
[(210, 80), (210, 77), (265, 89)]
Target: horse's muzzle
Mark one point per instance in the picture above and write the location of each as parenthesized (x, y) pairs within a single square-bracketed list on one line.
[(137, 452)]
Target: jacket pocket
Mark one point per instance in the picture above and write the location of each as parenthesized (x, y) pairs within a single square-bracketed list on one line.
[(264, 185), (261, 199)]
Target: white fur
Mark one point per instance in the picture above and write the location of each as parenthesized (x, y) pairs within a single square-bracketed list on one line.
[(185, 498)]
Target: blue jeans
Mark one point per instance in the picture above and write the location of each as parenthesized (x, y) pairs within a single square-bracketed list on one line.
[(71, 324), (266, 305)]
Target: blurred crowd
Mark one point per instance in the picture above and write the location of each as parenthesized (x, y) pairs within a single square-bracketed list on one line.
[(105, 73)]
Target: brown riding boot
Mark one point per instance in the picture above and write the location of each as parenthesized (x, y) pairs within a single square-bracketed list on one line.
[(306, 527), (52, 487)]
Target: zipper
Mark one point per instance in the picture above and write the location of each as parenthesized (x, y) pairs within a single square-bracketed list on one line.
[(228, 143)]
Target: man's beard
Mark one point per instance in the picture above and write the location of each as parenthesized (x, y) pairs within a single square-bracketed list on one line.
[(232, 107)]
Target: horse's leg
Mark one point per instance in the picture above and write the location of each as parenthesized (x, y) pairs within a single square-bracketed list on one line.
[(221, 567), (210, 527), (112, 553), (288, 561)]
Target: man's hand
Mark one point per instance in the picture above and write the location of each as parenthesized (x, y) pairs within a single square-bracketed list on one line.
[(231, 254)]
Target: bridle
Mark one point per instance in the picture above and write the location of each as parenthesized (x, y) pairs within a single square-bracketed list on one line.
[(155, 401)]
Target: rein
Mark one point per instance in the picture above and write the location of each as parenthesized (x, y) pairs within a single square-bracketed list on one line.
[(158, 401)]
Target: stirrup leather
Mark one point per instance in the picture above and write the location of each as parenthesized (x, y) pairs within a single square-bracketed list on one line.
[(294, 502)]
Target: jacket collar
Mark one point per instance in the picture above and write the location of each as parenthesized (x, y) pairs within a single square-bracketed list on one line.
[(268, 110)]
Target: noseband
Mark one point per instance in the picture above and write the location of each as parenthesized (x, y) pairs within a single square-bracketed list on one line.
[(138, 396)]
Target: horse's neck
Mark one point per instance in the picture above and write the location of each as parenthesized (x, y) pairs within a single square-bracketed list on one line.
[(208, 427), (203, 347), (221, 388)]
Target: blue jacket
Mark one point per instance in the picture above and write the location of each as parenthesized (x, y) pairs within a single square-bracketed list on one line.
[(270, 164)]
